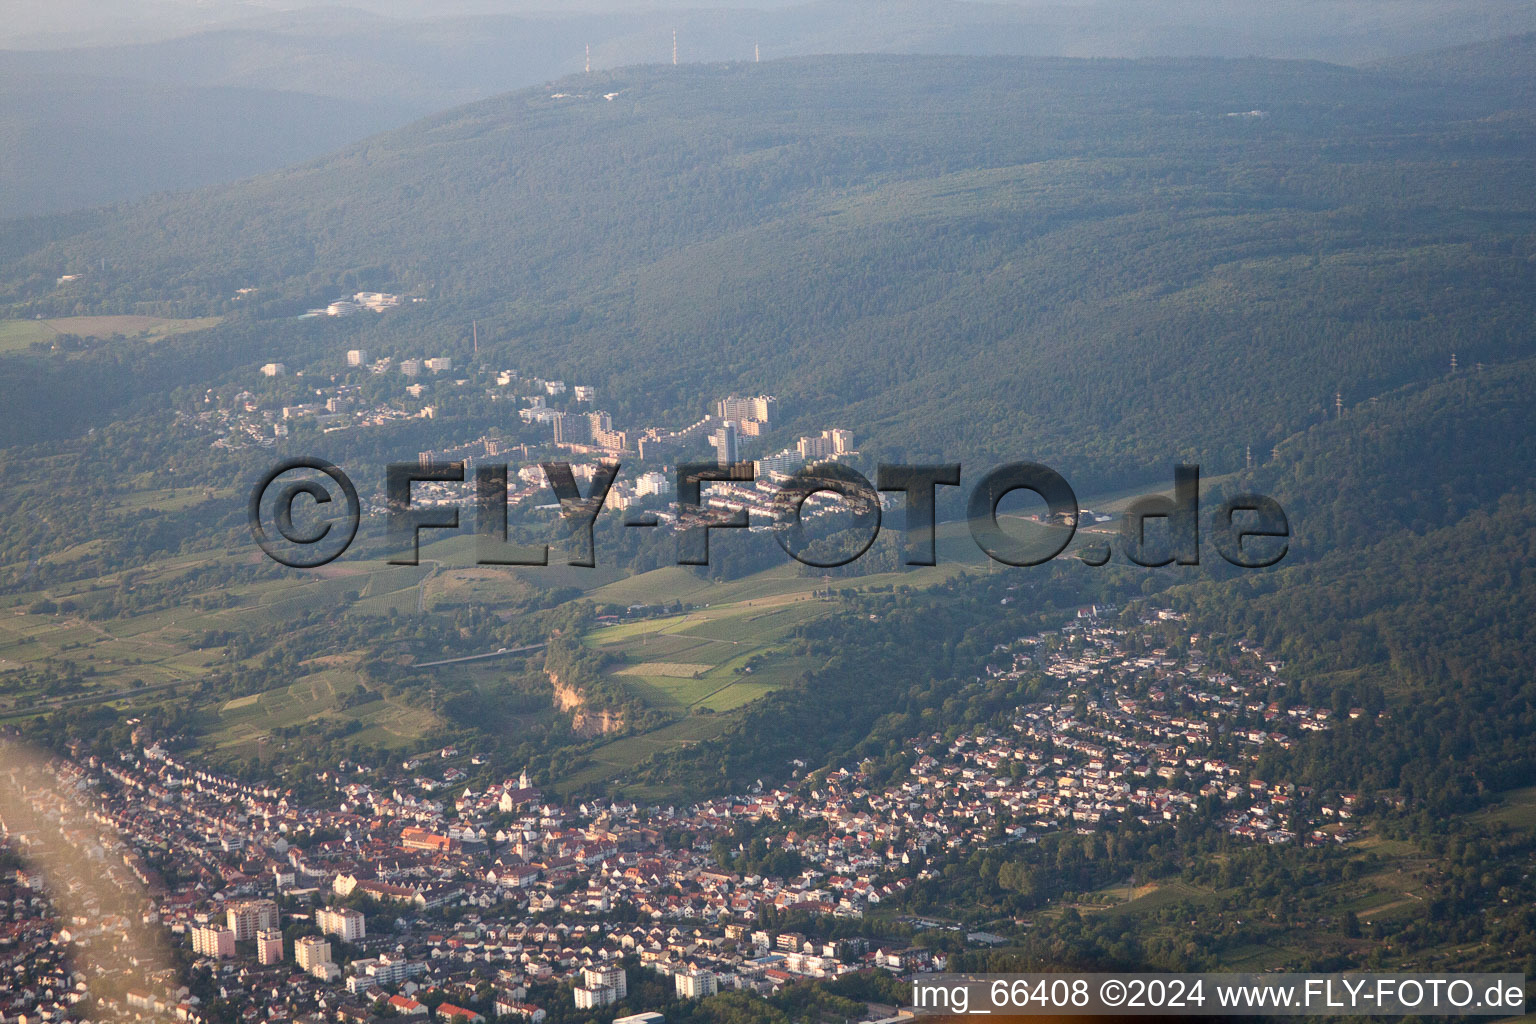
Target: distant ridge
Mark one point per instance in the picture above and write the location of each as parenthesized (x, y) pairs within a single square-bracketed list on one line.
[(1509, 59), (1125, 262)]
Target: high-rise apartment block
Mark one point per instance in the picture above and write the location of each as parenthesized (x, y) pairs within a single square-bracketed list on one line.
[(760, 408), (269, 946), (311, 951), (346, 924), (248, 917), (726, 443), (213, 940), (601, 986)]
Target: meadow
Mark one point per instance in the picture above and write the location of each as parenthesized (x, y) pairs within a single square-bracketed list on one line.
[(19, 335)]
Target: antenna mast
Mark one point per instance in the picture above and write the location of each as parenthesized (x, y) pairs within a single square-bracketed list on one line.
[(674, 47), (589, 58)]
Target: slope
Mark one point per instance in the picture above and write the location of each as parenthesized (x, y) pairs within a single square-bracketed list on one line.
[(1054, 242)]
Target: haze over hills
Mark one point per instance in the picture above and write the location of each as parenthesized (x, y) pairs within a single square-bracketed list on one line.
[(403, 60), (74, 141), (1346, 30), (1313, 280), (1294, 229)]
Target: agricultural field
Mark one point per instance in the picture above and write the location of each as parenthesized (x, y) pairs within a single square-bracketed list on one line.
[(111, 663), (141, 658), (1516, 808), (1389, 883), (245, 725), (613, 760), (18, 335), (716, 658), (729, 649)]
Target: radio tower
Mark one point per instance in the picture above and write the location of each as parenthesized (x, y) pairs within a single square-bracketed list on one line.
[(674, 47), (757, 54), (474, 325), (1453, 362), (1248, 457), (589, 58), (1338, 404)]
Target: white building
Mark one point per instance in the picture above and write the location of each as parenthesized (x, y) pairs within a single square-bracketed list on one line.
[(659, 484), (311, 951), (725, 443), (248, 917), (269, 946), (827, 444), (376, 301), (273, 369), (388, 970), (213, 940), (346, 924), (784, 462), (601, 986), (760, 408), (695, 984)]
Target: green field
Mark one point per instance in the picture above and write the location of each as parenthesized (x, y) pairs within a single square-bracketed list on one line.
[(17, 335), (244, 724), (129, 661), (115, 666), (697, 668), (612, 760), (1516, 808), (701, 659)]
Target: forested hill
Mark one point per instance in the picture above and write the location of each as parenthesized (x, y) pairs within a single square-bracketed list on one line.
[(1509, 61), (1412, 580), (1111, 264)]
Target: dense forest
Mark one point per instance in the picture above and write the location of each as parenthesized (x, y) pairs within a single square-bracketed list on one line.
[(966, 258)]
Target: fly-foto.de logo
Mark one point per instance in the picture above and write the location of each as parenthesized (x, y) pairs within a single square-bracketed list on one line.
[(289, 506)]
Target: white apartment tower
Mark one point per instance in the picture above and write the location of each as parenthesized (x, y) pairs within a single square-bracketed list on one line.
[(248, 917), (601, 986), (726, 444), (269, 946), (346, 924), (310, 951), (213, 940)]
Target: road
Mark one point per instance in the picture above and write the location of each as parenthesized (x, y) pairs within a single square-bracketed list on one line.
[(498, 653)]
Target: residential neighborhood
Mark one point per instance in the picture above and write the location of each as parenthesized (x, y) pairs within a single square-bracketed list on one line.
[(395, 889)]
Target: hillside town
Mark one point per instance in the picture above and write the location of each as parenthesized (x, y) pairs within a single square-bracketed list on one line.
[(392, 890), (553, 420)]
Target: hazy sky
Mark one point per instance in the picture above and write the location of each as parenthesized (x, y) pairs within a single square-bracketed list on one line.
[(95, 22), (1266, 27)]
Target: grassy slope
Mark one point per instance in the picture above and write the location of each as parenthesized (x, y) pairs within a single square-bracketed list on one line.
[(17, 335)]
